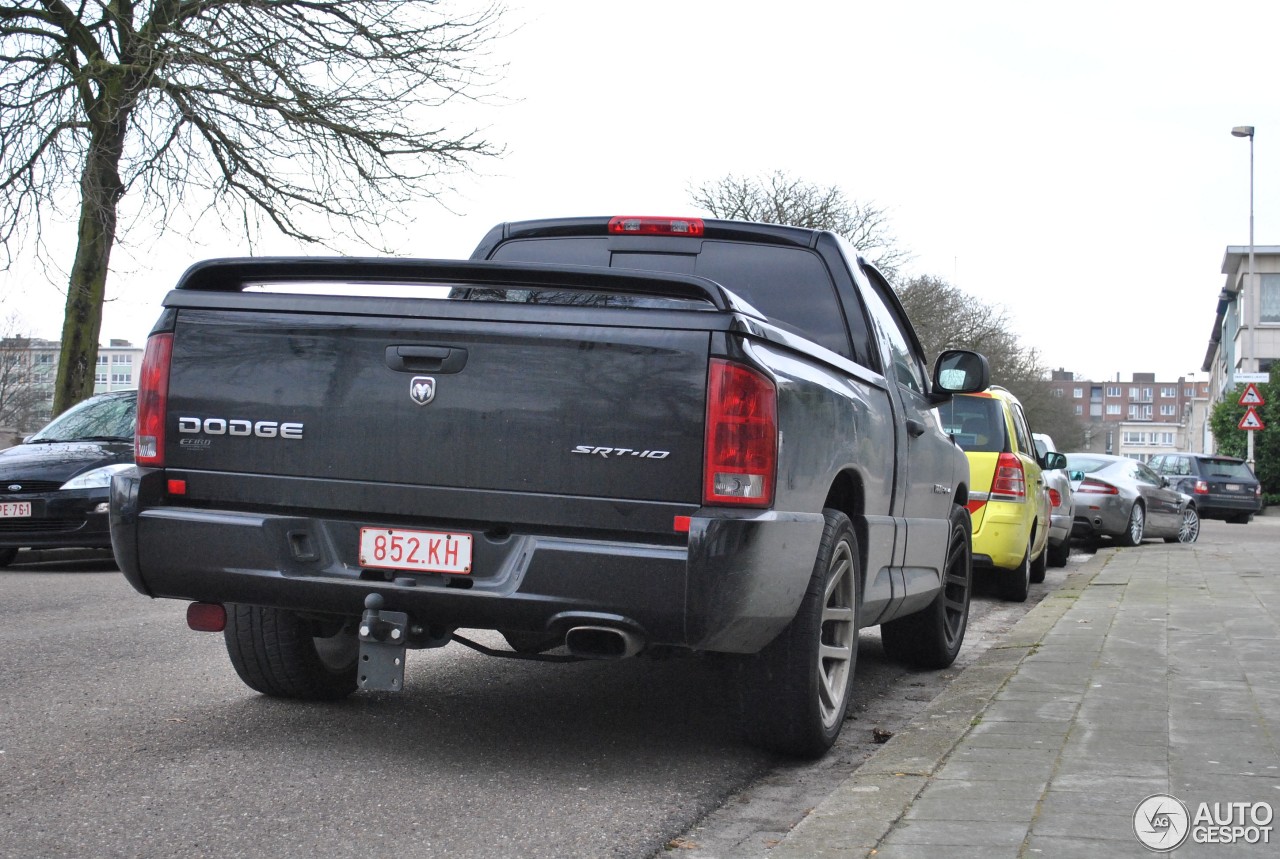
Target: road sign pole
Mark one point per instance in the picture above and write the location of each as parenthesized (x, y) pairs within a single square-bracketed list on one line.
[(1249, 456)]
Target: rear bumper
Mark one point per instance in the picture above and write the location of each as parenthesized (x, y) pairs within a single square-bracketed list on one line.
[(1224, 506), (731, 584), (1002, 537)]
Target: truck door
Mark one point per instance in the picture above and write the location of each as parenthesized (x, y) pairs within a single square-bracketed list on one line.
[(925, 484)]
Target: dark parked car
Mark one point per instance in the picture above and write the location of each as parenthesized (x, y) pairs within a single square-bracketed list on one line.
[(55, 485), (1224, 487)]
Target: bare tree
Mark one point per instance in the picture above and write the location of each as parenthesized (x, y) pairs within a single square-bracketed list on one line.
[(292, 113), (947, 317), (779, 198), (24, 387)]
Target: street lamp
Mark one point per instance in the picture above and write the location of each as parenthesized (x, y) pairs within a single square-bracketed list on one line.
[(1251, 288)]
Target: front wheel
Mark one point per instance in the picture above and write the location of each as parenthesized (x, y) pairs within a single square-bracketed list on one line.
[(1017, 583), (1189, 530), (794, 694), (1133, 532), (285, 655), (1059, 553), (931, 638)]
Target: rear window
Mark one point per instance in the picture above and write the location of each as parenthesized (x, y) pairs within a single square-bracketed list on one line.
[(1088, 464), (791, 286), (976, 423), (1232, 468)]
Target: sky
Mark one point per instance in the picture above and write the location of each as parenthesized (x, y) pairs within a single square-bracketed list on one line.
[(1069, 164)]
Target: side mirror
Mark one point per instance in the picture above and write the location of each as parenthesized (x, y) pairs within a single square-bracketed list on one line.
[(1054, 461), (959, 371)]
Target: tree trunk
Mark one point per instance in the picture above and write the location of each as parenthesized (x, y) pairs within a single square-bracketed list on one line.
[(101, 190)]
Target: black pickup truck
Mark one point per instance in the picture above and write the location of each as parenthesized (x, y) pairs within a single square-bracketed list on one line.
[(601, 437)]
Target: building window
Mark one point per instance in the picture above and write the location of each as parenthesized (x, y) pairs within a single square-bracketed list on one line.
[(1139, 413), (102, 359), (1133, 438), (1190, 392), (1113, 390), (1113, 408), (1169, 392), (1078, 393), (99, 378), (1168, 411), (1133, 393), (122, 378), (122, 359), (1166, 439), (1270, 298), (1057, 392), (1079, 410)]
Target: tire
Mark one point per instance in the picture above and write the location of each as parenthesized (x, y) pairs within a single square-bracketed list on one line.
[(793, 695), (1240, 519), (931, 638), (523, 641), (1189, 530), (284, 655), (7, 556), (1039, 564), (1017, 583), (1059, 553), (1132, 535)]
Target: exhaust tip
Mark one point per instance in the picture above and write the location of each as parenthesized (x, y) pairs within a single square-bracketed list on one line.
[(602, 642)]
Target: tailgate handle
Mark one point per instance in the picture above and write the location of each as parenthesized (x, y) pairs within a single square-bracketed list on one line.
[(426, 359)]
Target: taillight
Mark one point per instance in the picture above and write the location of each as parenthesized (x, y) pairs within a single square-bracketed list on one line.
[(742, 436), (632, 225), (153, 401), (1010, 482), (1201, 488), (1055, 498), (1097, 487)]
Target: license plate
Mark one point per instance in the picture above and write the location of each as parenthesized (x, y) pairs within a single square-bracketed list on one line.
[(1233, 487), (418, 551), (14, 509)]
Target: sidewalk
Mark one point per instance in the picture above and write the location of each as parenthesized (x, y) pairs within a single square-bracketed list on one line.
[(1153, 670)]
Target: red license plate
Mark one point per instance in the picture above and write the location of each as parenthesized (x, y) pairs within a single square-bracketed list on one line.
[(415, 551), (15, 509)]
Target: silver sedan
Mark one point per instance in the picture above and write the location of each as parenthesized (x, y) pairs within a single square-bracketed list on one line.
[(1122, 498)]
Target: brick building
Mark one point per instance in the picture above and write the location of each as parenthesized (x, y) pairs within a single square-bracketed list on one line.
[(1140, 417)]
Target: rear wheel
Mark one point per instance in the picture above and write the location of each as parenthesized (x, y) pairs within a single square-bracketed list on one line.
[(1040, 564), (1017, 583), (1137, 526), (793, 695), (285, 655), (1240, 519), (932, 638)]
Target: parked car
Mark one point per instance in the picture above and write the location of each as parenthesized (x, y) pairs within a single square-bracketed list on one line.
[(54, 487), (1224, 487), (1008, 501), (1062, 505), (1123, 498)]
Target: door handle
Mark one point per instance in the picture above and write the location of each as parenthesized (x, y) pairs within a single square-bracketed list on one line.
[(426, 359), (915, 428)]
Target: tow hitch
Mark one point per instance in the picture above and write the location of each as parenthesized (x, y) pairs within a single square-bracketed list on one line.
[(383, 638)]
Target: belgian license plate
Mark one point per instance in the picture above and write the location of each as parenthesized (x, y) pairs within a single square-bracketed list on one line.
[(1233, 487), (418, 551), (15, 509)]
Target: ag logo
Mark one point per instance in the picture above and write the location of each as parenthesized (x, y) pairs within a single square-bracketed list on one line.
[(1161, 822), (422, 390)]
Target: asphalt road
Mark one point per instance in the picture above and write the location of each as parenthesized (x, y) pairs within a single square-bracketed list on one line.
[(122, 733)]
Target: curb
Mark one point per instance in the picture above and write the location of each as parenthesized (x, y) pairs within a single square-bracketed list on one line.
[(858, 814)]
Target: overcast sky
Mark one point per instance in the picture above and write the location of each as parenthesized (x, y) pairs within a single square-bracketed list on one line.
[(1069, 163)]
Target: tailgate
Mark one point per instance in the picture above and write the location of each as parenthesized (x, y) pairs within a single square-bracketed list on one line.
[(545, 407)]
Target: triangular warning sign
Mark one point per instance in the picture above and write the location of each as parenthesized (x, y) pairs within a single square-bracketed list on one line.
[(1251, 397), (1251, 421)]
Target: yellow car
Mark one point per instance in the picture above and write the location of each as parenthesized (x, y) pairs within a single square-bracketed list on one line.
[(1008, 500)]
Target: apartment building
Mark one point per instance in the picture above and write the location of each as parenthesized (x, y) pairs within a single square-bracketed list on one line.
[(1140, 417), (29, 368)]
